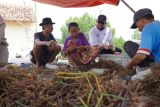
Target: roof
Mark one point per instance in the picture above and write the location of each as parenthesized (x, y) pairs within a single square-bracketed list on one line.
[(11, 12), (78, 3)]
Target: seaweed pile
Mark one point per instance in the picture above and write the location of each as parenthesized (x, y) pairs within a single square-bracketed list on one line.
[(56, 88)]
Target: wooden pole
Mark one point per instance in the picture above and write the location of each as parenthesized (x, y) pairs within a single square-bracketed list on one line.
[(35, 8), (126, 4)]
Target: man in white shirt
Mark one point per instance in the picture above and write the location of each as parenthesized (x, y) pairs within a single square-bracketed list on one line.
[(100, 35)]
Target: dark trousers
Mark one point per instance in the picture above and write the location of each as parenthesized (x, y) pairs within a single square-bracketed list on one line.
[(118, 50), (43, 57), (109, 51), (131, 49)]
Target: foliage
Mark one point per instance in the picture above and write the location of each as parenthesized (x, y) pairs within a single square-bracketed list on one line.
[(85, 22), (136, 35), (119, 42)]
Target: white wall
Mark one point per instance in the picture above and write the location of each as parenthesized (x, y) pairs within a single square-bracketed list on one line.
[(19, 37)]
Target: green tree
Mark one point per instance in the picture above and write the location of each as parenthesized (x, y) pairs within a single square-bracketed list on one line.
[(136, 35), (64, 31), (119, 42), (113, 29), (85, 22)]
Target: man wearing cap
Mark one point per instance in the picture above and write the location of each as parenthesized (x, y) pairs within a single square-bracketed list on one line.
[(100, 35), (45, 46), (149, 49)]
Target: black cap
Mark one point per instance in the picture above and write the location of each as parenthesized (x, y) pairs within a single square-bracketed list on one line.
[(45, 21), (139, 14), (102, 18)]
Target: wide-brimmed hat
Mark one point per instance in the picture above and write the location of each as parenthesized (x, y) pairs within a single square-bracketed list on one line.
[(139, 14), (46, 20)]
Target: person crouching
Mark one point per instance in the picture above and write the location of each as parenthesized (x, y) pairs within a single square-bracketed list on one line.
[(45, 46), (77, 48)]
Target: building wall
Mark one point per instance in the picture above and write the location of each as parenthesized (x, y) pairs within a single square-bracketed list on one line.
[(20, 38)]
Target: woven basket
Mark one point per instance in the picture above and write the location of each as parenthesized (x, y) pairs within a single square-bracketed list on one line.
[(121, 59)]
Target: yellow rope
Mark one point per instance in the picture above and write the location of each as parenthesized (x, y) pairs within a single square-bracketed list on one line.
[(89, 96), (77, 75), (84, 104), (98, 85), (99, 101), (102, 88), (90, 93), (72, 75), (89, 82)]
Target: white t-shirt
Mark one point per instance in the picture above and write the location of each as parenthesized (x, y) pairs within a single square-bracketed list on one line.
[(101, 37)]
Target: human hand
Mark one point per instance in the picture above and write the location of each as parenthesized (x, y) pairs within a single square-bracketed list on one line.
[(107, 46), (129, 66), (97, 46), (80, 47), (87, 47), (117, 53), (48, 43), (70, 49), (51, 45)]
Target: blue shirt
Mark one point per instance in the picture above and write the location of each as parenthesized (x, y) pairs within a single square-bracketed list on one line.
[(150, 40)]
